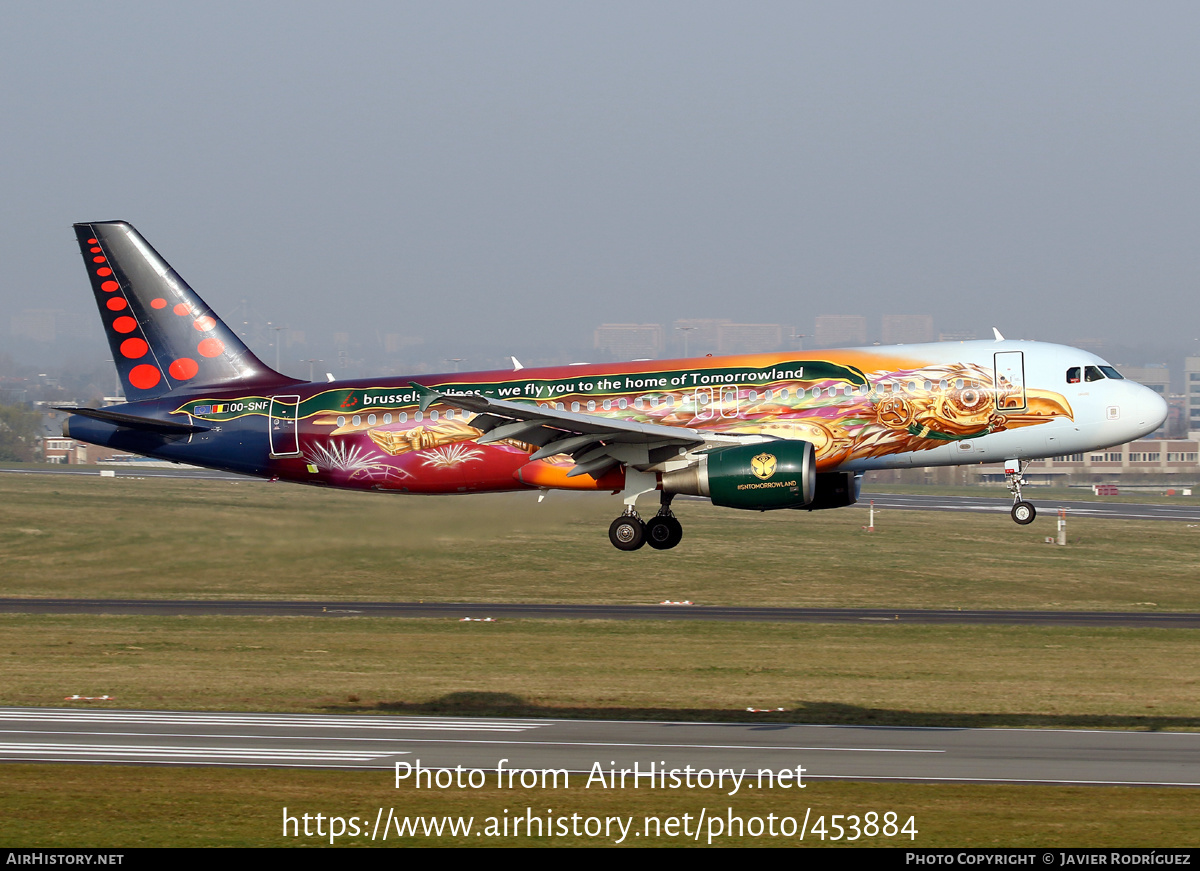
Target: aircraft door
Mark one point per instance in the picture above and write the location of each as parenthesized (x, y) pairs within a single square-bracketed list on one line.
[(712, 403), (284, 426), (729, 402), (1010, 380)]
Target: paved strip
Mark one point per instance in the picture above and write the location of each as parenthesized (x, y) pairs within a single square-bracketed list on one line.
[(600, 748), (483, 610), (1048, 510)]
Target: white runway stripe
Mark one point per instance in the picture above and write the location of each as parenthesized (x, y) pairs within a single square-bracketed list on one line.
[(176, 752), (267, 720)]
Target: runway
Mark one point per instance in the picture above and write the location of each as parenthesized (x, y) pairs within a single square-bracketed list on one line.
[(1048, 510), (536, 611), (819, 752)]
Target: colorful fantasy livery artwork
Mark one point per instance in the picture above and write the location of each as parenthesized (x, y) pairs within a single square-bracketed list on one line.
[(759, 432)]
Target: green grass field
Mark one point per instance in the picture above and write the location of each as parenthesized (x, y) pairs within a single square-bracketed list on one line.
[(57, 806), (156, 538), (874, 674)]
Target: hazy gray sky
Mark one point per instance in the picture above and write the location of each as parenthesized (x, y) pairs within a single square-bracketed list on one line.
[(516, 173)]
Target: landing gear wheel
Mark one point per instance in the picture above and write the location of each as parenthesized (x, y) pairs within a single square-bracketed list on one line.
[(1024, 512), (627, 533), (663, 532)]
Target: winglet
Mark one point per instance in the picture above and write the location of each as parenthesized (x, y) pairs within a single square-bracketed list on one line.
[(517, 367), (428, 397), (999, 338)]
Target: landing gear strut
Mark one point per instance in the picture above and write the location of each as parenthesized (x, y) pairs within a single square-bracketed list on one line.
[(1022, 512)]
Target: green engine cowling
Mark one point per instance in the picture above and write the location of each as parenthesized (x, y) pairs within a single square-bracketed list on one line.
[(759, 477)]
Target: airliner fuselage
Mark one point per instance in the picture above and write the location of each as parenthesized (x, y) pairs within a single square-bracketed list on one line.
[(757, 431)]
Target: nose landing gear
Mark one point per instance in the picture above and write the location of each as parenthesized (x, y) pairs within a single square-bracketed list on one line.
[(1022, 512)]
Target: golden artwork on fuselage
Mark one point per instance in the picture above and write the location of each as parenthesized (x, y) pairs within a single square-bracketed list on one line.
[(846, 410), (423, 437)]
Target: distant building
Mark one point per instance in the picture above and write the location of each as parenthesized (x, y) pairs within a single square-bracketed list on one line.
[(1162, 462), (1191, 392), (629, 341), (1145, 456), (839, 331), (907, 329), (957, 336), (749, 338), (694, 337)]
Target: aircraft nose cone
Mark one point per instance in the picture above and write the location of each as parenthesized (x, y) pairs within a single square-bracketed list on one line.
[(1150, 410)]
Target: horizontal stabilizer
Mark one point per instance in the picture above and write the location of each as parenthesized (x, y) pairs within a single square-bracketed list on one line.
[(132, 421)]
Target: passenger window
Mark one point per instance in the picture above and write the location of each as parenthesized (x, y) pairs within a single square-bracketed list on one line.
[(574, 406), (387, 418), (1073, 375)]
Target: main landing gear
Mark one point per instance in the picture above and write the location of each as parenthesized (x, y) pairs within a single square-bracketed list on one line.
[(662, 532), (1022, 512)]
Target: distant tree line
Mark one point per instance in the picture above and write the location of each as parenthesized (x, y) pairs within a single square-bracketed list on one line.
[(18, 434)]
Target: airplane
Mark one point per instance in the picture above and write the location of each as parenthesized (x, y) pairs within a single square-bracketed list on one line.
[(754, 432)]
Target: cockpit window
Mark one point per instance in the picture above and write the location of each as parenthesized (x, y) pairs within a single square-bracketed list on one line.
[(1073, 375), (1112, 373), (1093, 373)]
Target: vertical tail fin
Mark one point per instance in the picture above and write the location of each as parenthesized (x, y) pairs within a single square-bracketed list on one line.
[(162, 334)]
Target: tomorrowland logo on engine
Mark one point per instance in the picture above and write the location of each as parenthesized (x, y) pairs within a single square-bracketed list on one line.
[(763, 466)]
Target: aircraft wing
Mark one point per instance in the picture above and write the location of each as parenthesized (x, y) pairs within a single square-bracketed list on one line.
[(595, 443)]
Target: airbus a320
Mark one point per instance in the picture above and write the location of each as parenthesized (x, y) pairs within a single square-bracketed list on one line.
[(755, 432)]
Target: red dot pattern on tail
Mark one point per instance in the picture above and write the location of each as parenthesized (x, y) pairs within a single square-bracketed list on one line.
[(144, 376), (183, 368), (134, 348)]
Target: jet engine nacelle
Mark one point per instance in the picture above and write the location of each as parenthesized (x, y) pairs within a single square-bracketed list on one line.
[(759, 477)]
